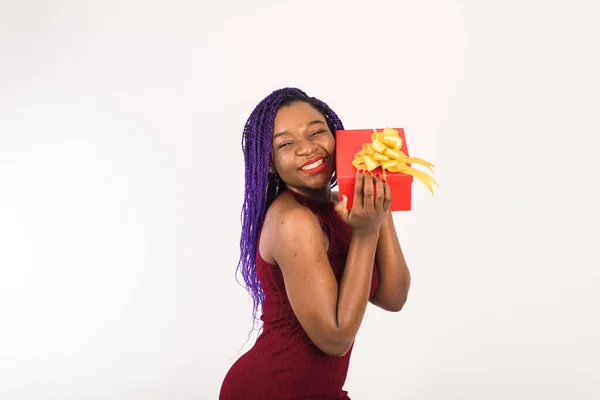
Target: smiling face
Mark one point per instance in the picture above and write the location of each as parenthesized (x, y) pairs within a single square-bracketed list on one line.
[(303, 149)]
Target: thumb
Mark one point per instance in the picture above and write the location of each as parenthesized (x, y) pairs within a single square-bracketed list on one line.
[(341, 208)]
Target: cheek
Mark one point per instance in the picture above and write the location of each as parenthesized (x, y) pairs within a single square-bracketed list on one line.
[(282, 161), (329, 144)]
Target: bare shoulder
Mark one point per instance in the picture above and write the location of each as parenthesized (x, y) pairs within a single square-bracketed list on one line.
[(293, 240), (285, 219)]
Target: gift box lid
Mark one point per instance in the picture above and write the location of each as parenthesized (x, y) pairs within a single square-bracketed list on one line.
[(349, 142)]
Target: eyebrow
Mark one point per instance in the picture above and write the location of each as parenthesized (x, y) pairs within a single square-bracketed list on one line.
[(311, 123)]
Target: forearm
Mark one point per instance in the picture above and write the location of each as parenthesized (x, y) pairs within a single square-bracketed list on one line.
[(394, 275), (355, 286)]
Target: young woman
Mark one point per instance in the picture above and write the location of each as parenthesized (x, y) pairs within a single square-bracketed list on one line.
[(311, 264)]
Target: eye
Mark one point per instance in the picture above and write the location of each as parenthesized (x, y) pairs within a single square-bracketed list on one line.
[(284, 144), (316, 133)]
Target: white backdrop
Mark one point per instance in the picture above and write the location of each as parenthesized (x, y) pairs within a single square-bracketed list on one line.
[(121, 182)]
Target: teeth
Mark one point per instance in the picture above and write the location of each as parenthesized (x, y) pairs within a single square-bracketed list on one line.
[(313, 165)]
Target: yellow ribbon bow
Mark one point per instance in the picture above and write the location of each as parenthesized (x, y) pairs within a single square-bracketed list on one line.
[(384, 151)]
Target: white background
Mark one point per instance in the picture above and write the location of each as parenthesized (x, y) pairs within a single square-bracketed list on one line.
[(121, 182)]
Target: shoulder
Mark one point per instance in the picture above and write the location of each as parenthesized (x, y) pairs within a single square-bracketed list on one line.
[(285, 221), (287, 213)]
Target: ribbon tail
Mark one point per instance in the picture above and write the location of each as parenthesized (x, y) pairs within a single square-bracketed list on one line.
[(422, 176), (417, 160)]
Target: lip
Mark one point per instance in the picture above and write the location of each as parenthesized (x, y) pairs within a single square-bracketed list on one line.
[(314, 160), (318, 169)]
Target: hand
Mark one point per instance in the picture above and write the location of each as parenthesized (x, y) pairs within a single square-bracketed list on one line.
[(372, 198)]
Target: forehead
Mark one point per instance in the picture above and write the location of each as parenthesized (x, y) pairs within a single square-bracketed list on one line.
[(295, 115)]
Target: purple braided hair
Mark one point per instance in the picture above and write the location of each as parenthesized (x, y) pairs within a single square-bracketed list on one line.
[(261, 187)]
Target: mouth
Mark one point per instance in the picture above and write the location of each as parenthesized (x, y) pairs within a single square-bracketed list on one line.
[(310, 164), (314, 166)]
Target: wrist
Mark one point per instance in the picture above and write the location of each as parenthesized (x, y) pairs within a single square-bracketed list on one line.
[(365, 233), (387, 222)]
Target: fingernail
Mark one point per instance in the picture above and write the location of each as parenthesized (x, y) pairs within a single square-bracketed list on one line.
[(360, 171), (378, 175), (384, 180)]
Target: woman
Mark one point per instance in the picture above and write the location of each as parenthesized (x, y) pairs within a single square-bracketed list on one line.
[(311, 264)]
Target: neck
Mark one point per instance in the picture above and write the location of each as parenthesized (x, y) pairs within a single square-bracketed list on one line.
[(323, 195)]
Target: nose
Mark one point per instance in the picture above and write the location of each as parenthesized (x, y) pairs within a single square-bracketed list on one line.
[(306, 147)]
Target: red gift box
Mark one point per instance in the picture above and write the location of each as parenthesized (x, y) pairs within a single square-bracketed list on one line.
[(348, 143)]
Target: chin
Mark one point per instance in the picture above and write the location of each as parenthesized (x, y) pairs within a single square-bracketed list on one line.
[(321, 183)]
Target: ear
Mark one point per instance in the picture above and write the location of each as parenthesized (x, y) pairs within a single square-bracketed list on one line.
[(272, 170)]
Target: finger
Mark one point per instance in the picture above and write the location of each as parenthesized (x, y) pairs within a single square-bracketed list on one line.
[(387, 196), (379, 192), (368, 191), (342, 208), (358, 189)]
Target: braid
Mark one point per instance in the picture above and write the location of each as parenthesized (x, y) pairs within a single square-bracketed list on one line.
[(261, 187)]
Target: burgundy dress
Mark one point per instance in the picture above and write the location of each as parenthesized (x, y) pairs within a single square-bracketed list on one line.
[(284, 363)]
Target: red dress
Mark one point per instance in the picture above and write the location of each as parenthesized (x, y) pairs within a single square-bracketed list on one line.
[(284, 363)]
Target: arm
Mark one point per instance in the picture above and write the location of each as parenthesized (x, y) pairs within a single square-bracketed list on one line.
[(394, 276), (330, 314)]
